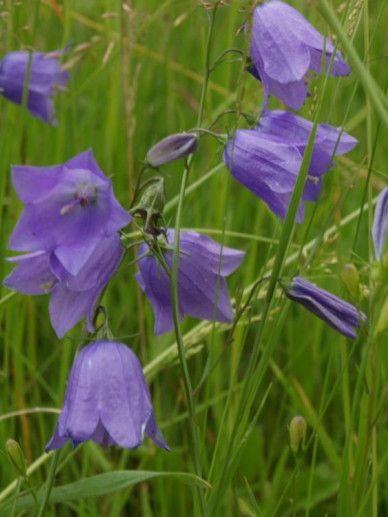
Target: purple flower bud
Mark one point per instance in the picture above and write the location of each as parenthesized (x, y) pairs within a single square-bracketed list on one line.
[(267, 159), (72, 297), (68, 210), (202, 292), (337, 313), (380, 223), (45, 79), (107, 400), (172, 148), (284, 47)]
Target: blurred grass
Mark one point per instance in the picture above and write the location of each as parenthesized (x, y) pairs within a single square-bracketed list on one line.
[(135, 77)]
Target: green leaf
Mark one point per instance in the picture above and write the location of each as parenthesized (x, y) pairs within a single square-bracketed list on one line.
[(99, 485), (372, 89)]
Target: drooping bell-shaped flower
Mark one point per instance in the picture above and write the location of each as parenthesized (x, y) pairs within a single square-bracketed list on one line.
[(267, 159), (284, 48), (71, 297), (268, 168), (172, 148), (107, 400), (69, 208), (45, 79), (202, 289), (337, 313), (329, 142), (380, 224)]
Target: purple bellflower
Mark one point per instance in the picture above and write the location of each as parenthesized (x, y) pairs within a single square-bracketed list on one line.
[(284, 47), (72, 297), (202, 288), (172, 148), (337, 313), (380, 224), (267, 159), (68, 210), (45, 79), (107, 400)]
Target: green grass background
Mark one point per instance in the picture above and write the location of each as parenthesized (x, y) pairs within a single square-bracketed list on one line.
[(136, 76)]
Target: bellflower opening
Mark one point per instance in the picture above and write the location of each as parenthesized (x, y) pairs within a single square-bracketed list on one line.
[(107, 400), (202, 289), (267, 159), (46, 78), (337, 313), (72, 297), (284, 48), (380, 224), (69, 208)]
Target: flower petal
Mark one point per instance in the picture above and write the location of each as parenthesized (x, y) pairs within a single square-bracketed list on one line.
[(285, 57), (380, 224)]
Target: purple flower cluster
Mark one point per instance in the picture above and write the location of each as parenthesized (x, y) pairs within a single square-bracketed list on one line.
[(69, 227), (267, 159)]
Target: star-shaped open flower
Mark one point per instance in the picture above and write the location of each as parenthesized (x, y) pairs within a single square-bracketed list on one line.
[(284, 48), (107, 400), (202, 289), (45, 79), (68, 210)]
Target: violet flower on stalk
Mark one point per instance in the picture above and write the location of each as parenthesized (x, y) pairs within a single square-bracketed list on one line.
[(337, 313), (202, 288), (380, 224), (45, 79), (71, 297), (69, 209), (267, 159), (284, 48), (107, 400)]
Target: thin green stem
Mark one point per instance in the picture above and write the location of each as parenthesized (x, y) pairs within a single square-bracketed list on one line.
[(174, 278), (49, 483)]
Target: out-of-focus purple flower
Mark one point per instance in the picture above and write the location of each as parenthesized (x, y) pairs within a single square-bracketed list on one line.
[(69, 208), (45, 79), (202, 289), (284, 47), (107, 400), (337, 313), (172, 148), (72, 297), (267, 159), (380, 223)]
